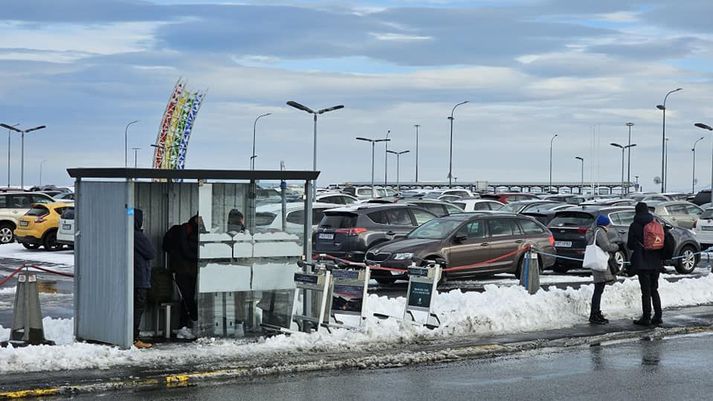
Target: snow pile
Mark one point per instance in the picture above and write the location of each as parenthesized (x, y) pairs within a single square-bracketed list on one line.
[(15, 250), (496, 311)]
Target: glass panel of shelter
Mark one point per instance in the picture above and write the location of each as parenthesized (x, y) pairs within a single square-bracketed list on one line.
[(246, 266)]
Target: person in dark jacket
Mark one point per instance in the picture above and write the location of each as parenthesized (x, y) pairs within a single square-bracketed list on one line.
[(601, 278), (182, 247), (144, 252), (647, 264)]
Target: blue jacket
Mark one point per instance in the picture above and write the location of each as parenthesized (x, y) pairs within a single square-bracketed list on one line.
[(143, 253)]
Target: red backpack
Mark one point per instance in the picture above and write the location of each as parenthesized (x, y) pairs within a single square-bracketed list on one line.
[(653, 236)]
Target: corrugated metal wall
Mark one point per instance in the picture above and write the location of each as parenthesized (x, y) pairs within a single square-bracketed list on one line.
[(103, 284)]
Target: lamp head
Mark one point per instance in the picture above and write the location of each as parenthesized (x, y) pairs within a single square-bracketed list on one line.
[(660, 107), (704, 126), (629, 124)]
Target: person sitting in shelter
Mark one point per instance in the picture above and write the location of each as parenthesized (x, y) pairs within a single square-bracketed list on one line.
[(144, 252), (181, 244), (236, 221)]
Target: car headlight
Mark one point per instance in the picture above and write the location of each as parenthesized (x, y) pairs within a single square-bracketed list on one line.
[(403, 256)]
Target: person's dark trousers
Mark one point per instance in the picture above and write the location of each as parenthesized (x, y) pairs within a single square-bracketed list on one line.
[(649, 282), (186, 283), (139, 307), (597, 297)]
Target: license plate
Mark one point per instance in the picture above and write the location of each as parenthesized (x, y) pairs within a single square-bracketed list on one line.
[(707, 228), (563, 244), (23, 223), (326, 236), (67, 227)]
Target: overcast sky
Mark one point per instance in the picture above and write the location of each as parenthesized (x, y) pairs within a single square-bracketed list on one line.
[(529, 68)]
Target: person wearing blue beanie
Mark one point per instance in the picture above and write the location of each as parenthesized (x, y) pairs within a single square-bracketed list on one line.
[(599, 234)]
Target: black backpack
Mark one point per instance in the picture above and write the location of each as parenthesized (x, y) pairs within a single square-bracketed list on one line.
[(170, 239), (669, 244)]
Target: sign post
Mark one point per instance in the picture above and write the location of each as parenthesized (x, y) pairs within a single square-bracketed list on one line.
[(349, 295), (422, 285)]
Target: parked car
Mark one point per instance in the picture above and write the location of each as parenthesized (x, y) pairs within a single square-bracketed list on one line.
[(38, 227), (702, 197), (348, 232), (336, 197), (460, 193), (363, 193), (569, 228), (268, 218), (463, 240), (13, 205), (474, 205), (648, 197), (506, 197), (525, 205), (703, 228), (436, 207), (609, 202), (65, 230), (64, 196), (566, 198), (681, 213)]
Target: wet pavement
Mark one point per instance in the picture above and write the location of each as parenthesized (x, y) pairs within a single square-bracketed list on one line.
[(664, 369)]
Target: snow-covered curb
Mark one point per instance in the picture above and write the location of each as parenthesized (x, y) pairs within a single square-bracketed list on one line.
[(496, 311)]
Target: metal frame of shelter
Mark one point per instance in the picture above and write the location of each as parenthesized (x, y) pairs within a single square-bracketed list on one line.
[(103, 255)]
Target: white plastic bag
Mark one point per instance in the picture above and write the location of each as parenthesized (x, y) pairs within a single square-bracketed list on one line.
[(595, 258)]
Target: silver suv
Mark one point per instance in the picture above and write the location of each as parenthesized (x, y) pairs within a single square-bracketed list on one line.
[(12, 206)]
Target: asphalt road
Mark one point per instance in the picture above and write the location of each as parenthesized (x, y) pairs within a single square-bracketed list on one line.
[(673, 368)]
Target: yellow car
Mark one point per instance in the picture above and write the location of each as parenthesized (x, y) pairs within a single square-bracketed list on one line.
[(38, 227)]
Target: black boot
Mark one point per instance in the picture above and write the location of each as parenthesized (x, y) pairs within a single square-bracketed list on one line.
[(602, 318), (656, 320), (596, 318), (644, 321)]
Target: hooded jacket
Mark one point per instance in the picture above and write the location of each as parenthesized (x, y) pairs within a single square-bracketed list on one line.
[(642, 259), (182, 247), (144, 252)]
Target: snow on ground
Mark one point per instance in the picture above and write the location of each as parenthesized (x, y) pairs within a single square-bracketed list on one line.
[(17, 251), (496, 311)]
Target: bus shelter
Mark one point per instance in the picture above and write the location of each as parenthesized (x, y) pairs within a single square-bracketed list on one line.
[(244, 278)]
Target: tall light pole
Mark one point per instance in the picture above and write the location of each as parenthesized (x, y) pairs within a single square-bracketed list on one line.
[(623, 148), (549, 189), (628, 160), (41, 163), (581, 181), (373, 142), (708, 127), (386, 158), (126, 143), (8, 152), (416, 125), (665, 163), (252, 158), (693, 177), (398, 156), (450, 154), (662, 107), (22, 147), (136, 155)]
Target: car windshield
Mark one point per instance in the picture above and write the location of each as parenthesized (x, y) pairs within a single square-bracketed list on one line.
[(435, 229), (572, 220), (38, 211), (541, 207)]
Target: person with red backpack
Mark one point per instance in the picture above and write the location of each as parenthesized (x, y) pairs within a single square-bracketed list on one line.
[(646, 240)]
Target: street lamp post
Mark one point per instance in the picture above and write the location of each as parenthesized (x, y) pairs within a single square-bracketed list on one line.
[(373, 142), (628, 160), (398, 156), (450, 154), (41, 163), (126, 143), (693, 175), (623, 148), (136, 155), (8, 154), (581, 181), (416, 125), (549, 189), (708, 127), (662, 107), (22, 147), (386, 158), (252, 158), (665, 162)]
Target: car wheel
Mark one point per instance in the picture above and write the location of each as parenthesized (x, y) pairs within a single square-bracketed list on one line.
[(687, 260), (50, 242), (620, 259), (6, 234), (30, 246)]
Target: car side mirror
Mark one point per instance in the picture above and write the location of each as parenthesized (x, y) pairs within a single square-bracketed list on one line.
[(399, 236), (460, 239)]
